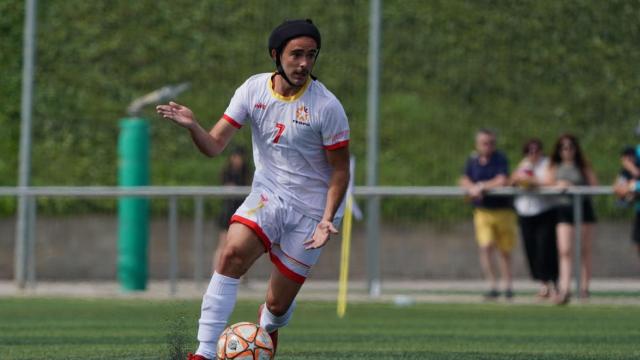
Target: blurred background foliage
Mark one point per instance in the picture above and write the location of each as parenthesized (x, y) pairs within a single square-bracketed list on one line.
[(524, 68)]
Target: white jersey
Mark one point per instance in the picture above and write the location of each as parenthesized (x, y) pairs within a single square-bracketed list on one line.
[(532, 204), (290, 136)]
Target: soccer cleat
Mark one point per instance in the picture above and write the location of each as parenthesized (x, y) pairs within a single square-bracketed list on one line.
[(273, 335), (191, 356)]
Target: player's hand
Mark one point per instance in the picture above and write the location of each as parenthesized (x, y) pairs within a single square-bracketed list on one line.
[(321, 235), (177, 113)]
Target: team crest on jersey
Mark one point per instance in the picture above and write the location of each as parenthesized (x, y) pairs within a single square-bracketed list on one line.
[(302, 115)]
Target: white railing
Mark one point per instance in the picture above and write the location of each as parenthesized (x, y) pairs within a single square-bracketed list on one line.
[(224, 191), (25, 247)]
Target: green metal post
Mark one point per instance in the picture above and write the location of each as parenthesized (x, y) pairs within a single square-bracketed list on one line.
[(133, 212)]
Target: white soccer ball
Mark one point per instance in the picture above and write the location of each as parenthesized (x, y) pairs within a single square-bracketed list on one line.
[(245, 341)]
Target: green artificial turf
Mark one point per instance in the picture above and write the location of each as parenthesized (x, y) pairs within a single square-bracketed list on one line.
[(144, 329)]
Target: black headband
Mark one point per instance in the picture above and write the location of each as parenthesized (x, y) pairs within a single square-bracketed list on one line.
[(292, 29), (286, 31)]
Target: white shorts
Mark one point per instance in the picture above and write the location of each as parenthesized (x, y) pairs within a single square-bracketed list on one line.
[(283, 231)]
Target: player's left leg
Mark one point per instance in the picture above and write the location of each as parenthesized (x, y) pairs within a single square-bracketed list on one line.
[(280, 297), (292, 266), (279, 305)]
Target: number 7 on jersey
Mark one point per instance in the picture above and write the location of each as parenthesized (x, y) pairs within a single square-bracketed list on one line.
[(280, 127)]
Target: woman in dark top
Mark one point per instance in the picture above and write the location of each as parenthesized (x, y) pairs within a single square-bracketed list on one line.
[(569, 167)]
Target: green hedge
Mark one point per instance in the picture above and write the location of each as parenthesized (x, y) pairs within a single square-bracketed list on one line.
[(525, 68)]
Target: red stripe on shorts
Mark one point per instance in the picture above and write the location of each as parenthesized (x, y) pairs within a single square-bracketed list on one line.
[(286, 271), (292, 258), (256, 229)]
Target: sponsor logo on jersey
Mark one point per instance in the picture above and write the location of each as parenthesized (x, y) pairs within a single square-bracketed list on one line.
[(260, 106)]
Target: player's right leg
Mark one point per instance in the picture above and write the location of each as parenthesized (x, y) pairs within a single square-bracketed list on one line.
[(240, 251)]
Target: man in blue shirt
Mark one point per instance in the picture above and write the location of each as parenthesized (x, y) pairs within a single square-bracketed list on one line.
[(493, 216)]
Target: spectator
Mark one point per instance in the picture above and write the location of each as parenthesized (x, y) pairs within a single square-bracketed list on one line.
[(627, 186), (537, 219), (630, 163), (569, 167), (235, 173), (493, 216)]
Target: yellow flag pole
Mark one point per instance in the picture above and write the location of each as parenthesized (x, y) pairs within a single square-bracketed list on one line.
[(344, 258)]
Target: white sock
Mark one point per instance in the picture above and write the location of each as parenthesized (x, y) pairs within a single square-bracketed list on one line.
[(217, 305), (271, 323)]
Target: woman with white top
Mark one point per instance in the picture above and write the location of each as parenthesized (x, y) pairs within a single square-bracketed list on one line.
[(537, 218)]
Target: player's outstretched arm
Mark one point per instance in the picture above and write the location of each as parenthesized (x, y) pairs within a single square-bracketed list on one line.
[(209, 143)]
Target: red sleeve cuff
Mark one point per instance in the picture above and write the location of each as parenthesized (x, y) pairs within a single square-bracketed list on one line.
[(337, 145), (234, 123)]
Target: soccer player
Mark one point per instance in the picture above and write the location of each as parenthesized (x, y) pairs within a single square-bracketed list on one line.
[(300, 137)]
